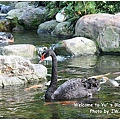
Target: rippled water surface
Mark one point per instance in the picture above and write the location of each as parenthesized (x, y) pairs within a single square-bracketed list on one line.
[(17, 102)]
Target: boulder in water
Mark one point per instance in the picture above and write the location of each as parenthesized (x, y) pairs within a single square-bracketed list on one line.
[(103, 28), (76, 46), (17, 70), (24, 50), (63, 29), (47, 27)]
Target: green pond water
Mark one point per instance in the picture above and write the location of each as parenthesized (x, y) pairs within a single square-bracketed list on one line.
[(16, 102)]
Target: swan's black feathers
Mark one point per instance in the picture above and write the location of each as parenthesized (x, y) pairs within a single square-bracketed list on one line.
[(49, 92), (76, 88)]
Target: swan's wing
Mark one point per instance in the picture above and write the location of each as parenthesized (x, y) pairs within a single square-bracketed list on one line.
[(73, 88)]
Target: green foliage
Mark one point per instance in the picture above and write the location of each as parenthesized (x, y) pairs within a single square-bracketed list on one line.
[(110, 7), (52, 10), (80, 8), (71, 8), (14, 22), (2, 27), (76, 9)]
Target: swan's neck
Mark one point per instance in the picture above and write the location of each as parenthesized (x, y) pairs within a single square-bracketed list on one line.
[(54, 70), (53, 84)]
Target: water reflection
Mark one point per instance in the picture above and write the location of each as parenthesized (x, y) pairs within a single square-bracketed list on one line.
[(29, 37), (83, 61), (95, 65), (108, 63)]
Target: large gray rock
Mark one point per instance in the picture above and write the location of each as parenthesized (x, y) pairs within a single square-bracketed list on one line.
[(47, 27), (104, 28), (24, 50), (76, 46), (17, 70), (15, 13), (63, 29), (21, 5), (27, 15), (32, 17)]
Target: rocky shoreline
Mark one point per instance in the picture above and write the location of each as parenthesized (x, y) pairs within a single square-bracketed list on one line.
[(102, 28), (94, 33)]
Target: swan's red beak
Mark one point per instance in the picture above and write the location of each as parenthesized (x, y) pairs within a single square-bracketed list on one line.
[(42, 58)]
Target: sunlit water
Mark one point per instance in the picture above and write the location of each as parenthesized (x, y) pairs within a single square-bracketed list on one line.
[(17, 102)]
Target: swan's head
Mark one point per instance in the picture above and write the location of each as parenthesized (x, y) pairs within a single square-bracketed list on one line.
[(46, 54)]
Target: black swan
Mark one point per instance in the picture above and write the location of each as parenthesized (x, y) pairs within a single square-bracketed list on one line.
[(73, 88)]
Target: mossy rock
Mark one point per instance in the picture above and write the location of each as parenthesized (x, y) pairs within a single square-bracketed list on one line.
[(4, 25), (47, 27), (63, 29)]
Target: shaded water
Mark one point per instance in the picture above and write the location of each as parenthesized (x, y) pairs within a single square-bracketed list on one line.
[(16, 102)]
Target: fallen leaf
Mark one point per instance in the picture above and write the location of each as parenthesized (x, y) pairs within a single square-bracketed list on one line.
[(99, 76), (34, 87)]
